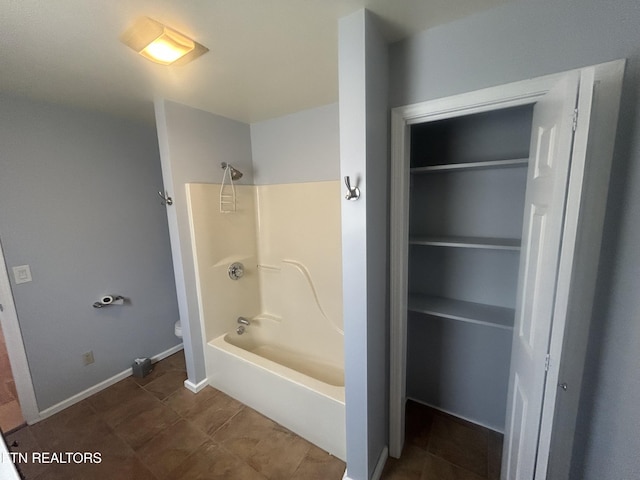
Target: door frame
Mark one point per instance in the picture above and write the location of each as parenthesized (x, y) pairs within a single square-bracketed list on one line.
[(574, 295), (15, 347)]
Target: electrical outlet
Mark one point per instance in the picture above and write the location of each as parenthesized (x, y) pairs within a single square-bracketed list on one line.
[(87, 358)]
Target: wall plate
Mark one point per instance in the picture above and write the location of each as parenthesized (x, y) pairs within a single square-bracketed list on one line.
[(22, 274)]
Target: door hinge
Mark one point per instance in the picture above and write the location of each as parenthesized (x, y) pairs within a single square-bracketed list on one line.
[(575, 119), (547, 359)]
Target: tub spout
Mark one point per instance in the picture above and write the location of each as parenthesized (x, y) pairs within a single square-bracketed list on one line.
[(240, 330), (243, 321)]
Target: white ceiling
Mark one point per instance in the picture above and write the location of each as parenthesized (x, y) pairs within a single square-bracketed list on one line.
[(267, 58)]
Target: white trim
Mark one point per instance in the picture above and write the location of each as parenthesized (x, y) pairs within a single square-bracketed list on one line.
[(15, 348), (78, 397), (167, 353), (198, 287), (597, 121), (377, 471), (8, 470), (457, 415), (382, 460), (398, 283), (195, 387), (493, 98)]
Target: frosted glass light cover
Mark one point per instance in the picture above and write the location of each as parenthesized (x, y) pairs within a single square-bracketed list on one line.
[(161, 44), (168, 47)]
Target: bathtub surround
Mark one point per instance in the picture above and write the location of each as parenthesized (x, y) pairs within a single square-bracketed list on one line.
[(301, 222), (288, 239), (218, 240), (79, 205), (294, 223)]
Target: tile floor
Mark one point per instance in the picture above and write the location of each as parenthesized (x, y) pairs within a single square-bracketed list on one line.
[(153, 428), (442, 447)]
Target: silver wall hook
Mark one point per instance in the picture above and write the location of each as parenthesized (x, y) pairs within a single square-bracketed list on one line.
[(352, 193), (166, 199)]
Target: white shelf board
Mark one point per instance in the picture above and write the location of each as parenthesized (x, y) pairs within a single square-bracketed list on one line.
[(489, 315), (457, 167), (468, 242)]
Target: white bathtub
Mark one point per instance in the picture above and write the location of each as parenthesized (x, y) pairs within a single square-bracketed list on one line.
[(301, 389)]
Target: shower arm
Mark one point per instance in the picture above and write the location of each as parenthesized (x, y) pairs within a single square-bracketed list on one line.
[(234, 173)]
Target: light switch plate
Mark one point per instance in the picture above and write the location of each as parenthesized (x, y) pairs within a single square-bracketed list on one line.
[(22, 274)]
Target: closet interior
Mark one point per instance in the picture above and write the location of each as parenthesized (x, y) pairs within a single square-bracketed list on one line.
[(468, 179)]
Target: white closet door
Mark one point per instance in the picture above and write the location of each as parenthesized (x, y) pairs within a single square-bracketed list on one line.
[(550, 153)]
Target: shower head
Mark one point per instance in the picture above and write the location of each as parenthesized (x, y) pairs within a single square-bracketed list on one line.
[(235, 174)]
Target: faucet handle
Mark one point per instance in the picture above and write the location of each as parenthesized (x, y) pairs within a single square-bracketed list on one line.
[(243, 321), (235, 271)]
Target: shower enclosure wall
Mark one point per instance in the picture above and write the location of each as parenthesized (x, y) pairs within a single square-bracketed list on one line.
[(288, 363)]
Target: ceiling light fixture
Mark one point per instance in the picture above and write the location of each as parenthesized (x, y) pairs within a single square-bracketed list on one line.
[(161, 44)]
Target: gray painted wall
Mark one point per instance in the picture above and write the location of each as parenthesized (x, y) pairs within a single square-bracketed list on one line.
[(377, 188), (459, 367), (363, 156), (193, 144), (525, 39), (79, 205), (301, 147)]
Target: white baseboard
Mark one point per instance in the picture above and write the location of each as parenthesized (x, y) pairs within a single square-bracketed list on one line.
[(167, 353), (457, 415), (78, 397), (382, 460), (377, 472), (195, 387)]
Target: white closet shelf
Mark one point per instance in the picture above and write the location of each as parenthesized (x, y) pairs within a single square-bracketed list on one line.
[(451, 167), (489, 315), (468, 242)]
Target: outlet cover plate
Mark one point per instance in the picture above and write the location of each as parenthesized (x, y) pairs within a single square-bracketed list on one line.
[(87, 358)]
